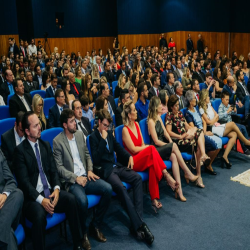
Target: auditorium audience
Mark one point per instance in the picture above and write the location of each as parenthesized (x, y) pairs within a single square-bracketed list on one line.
[(155, 89), (186, 79), (37, 107), (178, 89), (188, 139), (74, 86), (120, 85), (124, 97), (229, 129), (143, 102), (169, 87), (209, 84), (7, 88), (197, 74), (104, 91), (50, 90)]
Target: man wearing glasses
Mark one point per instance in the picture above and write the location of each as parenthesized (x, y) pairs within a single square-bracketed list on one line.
[(56, 110)]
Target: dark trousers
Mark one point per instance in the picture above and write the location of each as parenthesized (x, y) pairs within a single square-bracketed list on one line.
[(135, 211), (36, 214), (9, 219), (243, 130), (98, 187), (245, 109)]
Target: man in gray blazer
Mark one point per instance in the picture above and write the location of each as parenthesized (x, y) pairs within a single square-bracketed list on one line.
[(169, 87), (11, 202), (75, 169), (178, 89), (179, 71)]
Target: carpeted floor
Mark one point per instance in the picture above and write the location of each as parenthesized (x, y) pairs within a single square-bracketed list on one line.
[(216, 217)]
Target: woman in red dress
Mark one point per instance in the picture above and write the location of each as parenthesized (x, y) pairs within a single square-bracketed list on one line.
[(171, 43), (145, 156)]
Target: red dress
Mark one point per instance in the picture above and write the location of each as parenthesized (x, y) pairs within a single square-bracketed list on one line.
[(150, 159), (171, 45)]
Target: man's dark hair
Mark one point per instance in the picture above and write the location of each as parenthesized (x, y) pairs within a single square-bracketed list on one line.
[(123, 93), (73, 103), (193, 83), (224, 94), (58, 92), (140, 88), (196, 65), (15, 84), (19, 117), (154, 78), (53, 76), (84, 100), (168, 76), (35, 69), (208, 74), (99, 103), (25, 121), (237, 74), (102, 87), (104, 114), (206, 63), (65, 115), (25, 60), (46, 60)]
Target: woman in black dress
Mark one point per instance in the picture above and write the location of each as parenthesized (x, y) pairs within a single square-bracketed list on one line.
[(168, 150)]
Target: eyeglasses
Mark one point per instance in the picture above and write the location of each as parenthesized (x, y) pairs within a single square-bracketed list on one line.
[(105, 125), (62, 96)]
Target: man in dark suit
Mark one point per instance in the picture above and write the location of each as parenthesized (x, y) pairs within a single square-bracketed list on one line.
[(190, 45), (37, 177), (40, 61), (200, 47), (104, 90), (155, 89), (38, 75), (122, 70), (7, 88), (164, 74), (103, 145), (163, 42), (51, 90), (124, 97), (178, 89), (70, 149), (169, 87), (30, 85), (242, 95), (74, 86), (11, 202), (195, 86), (56, 110), (13, 47), (12, 138), (82, 123), (20, 101), (198, 74), (109, 75), (230, 87)]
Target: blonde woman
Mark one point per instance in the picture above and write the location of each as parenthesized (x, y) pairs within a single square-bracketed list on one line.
[(245, 69), (132, 91), (168, 150), (229, 129), (37, 106), (145, 157), (120, 85), (186, 79), (95, 74), (78, 74)]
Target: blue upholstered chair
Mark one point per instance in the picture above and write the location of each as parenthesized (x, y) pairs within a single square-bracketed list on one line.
[(5, 125), (116, 101), (42, 93), (92, 123), (20, 234), (114, 84), (8, 99), (4, 112), (50, 134), (113, 117), (48, 103)]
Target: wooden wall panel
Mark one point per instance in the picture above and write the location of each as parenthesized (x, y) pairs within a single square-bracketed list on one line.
[(240, 43), (82, 44), (4, 43)]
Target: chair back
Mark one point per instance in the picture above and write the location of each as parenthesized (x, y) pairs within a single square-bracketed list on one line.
[(5, 125), (113, 117), (114, 84), (92, 124), (184, 111), (48, 103), (4, 112), (215, 104), (8, 99), (116, 101), (246, 79), (118, 134), (144, 130), (42, 93), (163, 117), (50, 134)]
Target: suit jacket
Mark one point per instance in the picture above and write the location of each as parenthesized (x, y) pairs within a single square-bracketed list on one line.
[(231, 95), (184, 102), (105, 158), (28, 89), (101, 68), (4, 91), (118, 115), (64, 159), (49, 92), (152, 93), (86, 124), (73, 91), (190, 45), (112, 102), (109, 76), (17, 105), (200, 46), (164, 77), (26, 168), (177, 74), (240, 92), (169, 90), (7, 181), (16, 50), (54, 116), (198, 77), (35, 79), (8, 144), (119, 71), (204, 71)]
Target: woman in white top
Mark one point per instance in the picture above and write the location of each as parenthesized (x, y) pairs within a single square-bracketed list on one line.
[(229, 129), (2, 103)]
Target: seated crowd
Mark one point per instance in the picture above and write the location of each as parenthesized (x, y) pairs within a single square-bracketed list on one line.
[(170, 90)]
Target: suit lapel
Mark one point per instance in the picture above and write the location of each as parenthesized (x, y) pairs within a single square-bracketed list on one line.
[(80, 147), (66, 143), (30, 151)]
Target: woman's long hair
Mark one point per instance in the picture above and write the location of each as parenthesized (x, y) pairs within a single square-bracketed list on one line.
[(202, 102), (126, 111), (35, 100), (152, 108)]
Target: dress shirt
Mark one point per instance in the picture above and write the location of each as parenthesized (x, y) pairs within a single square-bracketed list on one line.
[(142, 108), (79, 128), (39, 186), (32, 49), (156, 91), (79, 169), (83, 71), (39, 79), (180, 72), (59, 108), (12, 48), (88, 114), (18, 138), (24, 102), (11, 88), (2, 103)]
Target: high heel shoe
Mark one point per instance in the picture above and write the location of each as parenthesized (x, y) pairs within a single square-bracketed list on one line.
[(199, 182), (183, 199), (223, 161), (170, 181), (205, 160), (189, 179), (156, 205)]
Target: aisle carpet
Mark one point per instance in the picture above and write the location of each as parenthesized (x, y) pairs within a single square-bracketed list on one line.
[(217, 217)]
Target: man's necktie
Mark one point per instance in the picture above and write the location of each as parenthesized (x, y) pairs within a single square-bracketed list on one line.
[(198, 97), (42, 175), (25, 103), (83, 129), (61, 109), (11, 89), (100, 69), (245, 88)]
